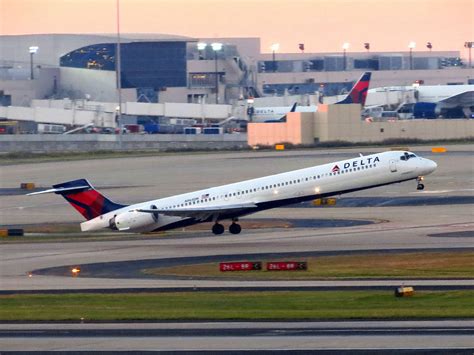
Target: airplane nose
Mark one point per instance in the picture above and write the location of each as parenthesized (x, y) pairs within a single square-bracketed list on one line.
[(430, 166)]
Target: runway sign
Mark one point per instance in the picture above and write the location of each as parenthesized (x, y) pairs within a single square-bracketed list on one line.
[(11, 232), (287, 266), (324, 202), (241, 266), (404, 291), (27, 186)]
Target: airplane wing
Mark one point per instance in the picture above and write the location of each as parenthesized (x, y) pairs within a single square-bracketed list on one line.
[(462, 99), (200, 213)]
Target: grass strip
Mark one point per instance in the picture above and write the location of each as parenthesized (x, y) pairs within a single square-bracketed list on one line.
[(237, 305), (459, 264)]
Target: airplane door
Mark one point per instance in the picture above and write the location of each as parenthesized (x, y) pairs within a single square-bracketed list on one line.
[(393, 165)]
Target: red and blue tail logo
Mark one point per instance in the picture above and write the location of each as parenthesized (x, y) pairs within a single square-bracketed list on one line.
[(358, 94), (87, 201)]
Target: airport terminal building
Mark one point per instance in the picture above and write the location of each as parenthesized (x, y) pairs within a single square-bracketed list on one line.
[(166, 68), (167, 80)]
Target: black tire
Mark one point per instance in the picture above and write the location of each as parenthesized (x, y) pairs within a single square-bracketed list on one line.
[(420, 187), (235, 228), (218, 228)]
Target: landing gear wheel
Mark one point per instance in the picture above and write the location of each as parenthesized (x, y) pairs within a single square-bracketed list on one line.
[(217, 228), (420, 187), (235, 228)]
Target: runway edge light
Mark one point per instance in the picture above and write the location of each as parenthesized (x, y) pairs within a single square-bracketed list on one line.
[(75, 271)]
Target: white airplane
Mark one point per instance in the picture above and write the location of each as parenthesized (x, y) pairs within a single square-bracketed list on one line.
[(433, 100), (357, 94), (278, 113), (242, 198)]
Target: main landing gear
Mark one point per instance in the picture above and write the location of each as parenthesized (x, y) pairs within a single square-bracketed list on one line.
[(217, 228), (234, 228), (419, 186)]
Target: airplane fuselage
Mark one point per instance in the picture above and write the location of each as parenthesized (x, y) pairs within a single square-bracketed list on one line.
[(262, 114), (259, 194), (433, 94)]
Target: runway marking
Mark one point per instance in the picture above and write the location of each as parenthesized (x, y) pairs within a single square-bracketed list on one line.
[(439, 191), (31, 206)]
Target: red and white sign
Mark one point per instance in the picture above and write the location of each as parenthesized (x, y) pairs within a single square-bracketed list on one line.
[(241, 266), (287, 266)]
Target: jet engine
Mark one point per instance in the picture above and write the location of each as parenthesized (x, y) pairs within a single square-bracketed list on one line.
[(134, 221)]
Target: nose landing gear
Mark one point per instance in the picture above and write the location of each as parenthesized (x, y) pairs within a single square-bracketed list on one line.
[(419, 186)]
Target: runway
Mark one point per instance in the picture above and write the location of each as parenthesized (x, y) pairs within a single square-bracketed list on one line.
[(438, 218), (380, 336)]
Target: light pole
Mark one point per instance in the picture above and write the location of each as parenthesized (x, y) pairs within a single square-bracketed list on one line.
[(429, 46), (201, 46), (367, 46), (411, 46), (345, 47), (118, 71), (469, 45), (216, 47), (33, 50), (274, 47)]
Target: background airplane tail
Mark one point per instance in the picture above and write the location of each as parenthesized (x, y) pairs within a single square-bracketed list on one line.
[(85, 199), (358, 93)]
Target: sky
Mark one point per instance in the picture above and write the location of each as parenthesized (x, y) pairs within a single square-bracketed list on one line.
[(322, 25)]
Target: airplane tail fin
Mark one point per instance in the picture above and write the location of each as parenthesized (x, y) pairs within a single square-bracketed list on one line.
[(293, 108), (83, 197), (358, 93)]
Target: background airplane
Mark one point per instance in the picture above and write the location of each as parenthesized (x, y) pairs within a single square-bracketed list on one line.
[(242, 198), (357, 95), (431, 101)]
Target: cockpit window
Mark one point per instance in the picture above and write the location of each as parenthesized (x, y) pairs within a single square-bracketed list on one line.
[(407, 156)]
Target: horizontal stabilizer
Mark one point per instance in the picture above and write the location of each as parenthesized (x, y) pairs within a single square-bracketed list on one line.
[(83, 197), (59, 190)]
